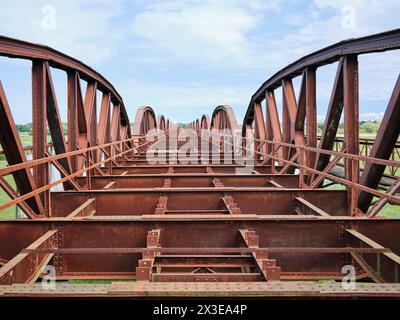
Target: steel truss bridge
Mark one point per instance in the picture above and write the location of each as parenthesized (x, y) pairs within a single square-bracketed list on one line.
[(200, 228)]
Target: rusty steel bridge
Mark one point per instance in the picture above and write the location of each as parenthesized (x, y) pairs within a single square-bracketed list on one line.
[(208, 226)]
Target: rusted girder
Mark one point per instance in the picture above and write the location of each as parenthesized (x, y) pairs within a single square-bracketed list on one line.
[(123, 217), (111, 248)]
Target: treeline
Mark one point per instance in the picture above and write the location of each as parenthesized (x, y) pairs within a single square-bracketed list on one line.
[(27, 128), (24, 127), (365, 126)]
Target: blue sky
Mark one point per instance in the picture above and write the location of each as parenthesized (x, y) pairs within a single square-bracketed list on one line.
[(186, 57)]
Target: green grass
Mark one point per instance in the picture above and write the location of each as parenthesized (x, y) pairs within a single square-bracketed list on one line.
[(362, 163), (388, 211), (89, 281), (367, 135), (26, 140), (362, 135), (8, 213)]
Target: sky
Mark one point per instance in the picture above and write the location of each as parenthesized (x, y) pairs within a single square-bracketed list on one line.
[(185, 57)]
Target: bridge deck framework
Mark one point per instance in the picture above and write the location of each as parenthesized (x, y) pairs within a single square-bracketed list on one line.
[(218, 210)]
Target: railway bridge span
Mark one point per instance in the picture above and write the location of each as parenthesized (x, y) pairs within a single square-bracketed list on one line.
[(210, 208)]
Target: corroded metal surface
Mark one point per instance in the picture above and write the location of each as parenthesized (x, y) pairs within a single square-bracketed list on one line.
[(199, 223), (221, 289)]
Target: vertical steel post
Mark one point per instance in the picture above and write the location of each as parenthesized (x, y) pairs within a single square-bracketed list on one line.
[(385, 142), (72, 98), (351, 124), (274, 120), (311, 115), (39, 127), (259, 132), (285, 126)]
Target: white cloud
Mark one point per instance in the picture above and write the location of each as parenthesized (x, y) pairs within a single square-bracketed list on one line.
[(185, 57), (329, 20), (184, 102), (176, 5), (371, 116), (83, 28), (212, 32), (326, 23)]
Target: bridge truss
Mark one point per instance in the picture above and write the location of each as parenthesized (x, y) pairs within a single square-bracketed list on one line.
[(200, 223)]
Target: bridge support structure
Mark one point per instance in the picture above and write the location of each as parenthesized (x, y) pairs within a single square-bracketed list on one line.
[(248, 210)]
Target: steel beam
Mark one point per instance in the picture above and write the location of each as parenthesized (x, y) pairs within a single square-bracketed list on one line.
[(384, 143), (311, 113), (39, 128), (14, 154), (55, 124), (332, 119), (192, 201), (197, 234), (351, 125), (273, 118)]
